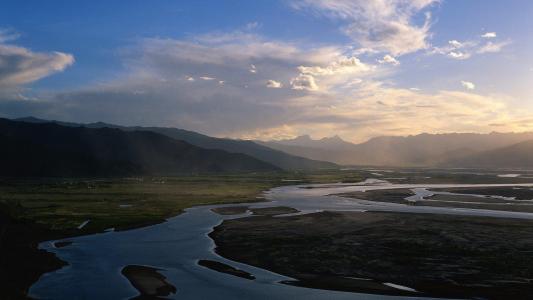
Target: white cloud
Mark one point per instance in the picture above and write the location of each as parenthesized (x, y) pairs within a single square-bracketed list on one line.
[(274, 84), (253, 69), (7, 35), (207, 78), (336, 74), (455, 43), (463, 50), (19, 65), (491, 47), (345, 65), (375, 110), (383, 25), (329, 90), (459, 55), (387, 59), (468, 85), (489, 35), (304, 82), (168, 72)]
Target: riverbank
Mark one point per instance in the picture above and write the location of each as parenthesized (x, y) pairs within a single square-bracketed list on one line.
[(59, 206), (436, 255), (21, 262), (37, 210), (510, 198), (62, 205)]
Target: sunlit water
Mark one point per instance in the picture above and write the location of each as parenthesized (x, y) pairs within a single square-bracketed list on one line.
[(95, 261)]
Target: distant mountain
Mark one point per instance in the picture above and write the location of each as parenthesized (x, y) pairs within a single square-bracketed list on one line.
[(49, 149), (327, 143), (416, 150), (515, 156), (261, 152)]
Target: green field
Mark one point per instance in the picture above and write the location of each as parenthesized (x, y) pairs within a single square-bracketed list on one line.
[(121, 203), (62, 204)]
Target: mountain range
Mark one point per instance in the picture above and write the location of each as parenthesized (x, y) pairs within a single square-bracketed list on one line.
[(49, 149), (275, 157), (56, 148), (423, 150), (515, 156)]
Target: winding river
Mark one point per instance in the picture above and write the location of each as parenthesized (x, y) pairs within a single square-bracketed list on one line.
[(95, 261)]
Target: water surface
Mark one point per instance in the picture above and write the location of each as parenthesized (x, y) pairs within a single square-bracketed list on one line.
[(95, 261)]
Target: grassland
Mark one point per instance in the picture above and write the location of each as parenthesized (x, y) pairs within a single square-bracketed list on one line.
[(121, 203), (35, 210)]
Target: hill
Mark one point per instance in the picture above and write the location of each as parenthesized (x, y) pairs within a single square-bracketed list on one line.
[(48, 149), (250, 148), (417, 150), (515, 156)]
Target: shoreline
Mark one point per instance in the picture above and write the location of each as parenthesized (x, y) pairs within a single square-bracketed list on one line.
[(229, 202), (22, 238), (60, 239)]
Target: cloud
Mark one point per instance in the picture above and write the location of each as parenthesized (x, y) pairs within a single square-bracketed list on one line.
[(345, 65), (162, 79), (491, 47), (455, 44), (387, 59), (329, 90), (384, 25), (207, 78), (335, 74), (459, 55), (253, 69), (370, 110), (7, 35), (375, 110), (19, 65), (461, 50), (468, 85), (274, 84), (304, 82), (489, 35)]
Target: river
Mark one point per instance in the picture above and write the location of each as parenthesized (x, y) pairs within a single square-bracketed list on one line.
[(95, 261)]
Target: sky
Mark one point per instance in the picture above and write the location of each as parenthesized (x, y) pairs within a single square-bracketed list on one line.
[(272, 69)]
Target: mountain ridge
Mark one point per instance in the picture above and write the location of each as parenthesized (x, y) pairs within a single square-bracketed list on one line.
[(49, 149), (276, 157), (422, 150)]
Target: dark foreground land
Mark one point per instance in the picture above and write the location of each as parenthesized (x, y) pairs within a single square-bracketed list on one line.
[(519, 193), (392, 196), (223, 268), (21, 263), (41, 209), (37, 210), (437, 255), (148, 281)]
